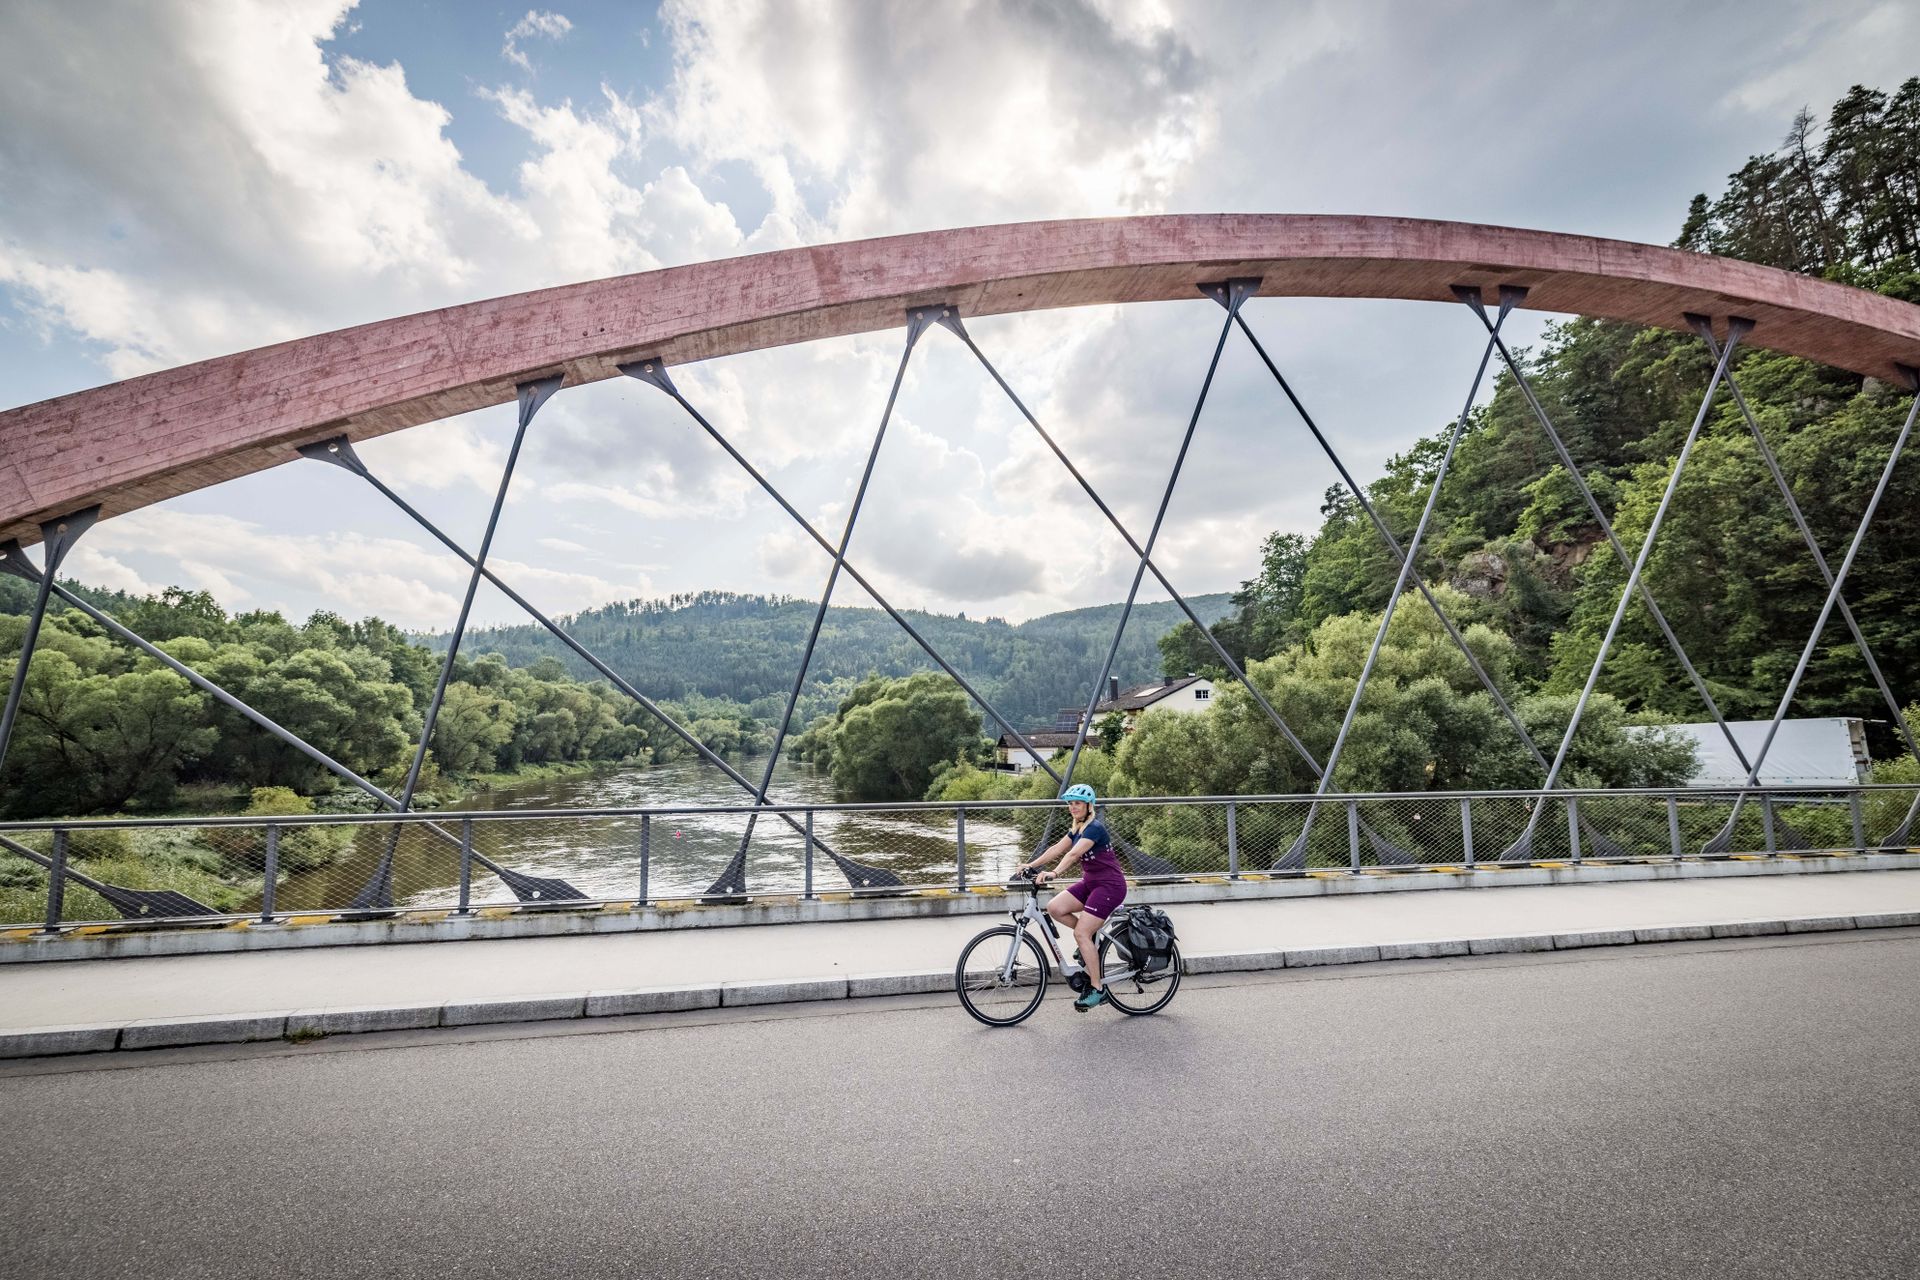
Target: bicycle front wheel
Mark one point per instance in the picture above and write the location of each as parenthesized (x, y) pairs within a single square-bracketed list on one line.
[(1133, 995), (1001, 976)]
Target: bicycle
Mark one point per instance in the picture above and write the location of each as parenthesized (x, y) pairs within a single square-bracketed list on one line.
[(1002, 973)]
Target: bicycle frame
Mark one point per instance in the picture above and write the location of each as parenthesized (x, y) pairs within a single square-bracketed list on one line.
[(1032, 913)]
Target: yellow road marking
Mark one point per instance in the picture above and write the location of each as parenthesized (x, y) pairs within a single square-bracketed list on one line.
[(321, 918), (496, 913), (616, 906), (427, 917)]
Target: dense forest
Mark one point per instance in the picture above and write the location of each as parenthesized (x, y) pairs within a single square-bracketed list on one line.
[(1512, 535)]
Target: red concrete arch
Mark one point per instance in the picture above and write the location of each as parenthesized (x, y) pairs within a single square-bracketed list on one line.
[(149, 438)]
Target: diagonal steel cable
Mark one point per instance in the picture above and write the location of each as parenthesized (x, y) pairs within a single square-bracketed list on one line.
[(654, 372), (1223, 293), (732, 880), (528, 888), (340, 453), (1235, 294), (1736, 329), (377, 893), (1600, 840), (1226, 658), (1297, 853), (1839, 580), (1606, 525), (1900, 833)]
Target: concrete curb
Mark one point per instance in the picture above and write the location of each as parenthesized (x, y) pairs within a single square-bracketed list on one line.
[(153, 1033), (27, 944)]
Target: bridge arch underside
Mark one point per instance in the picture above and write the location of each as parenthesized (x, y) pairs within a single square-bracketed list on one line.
[(98, 453), (140, 441)]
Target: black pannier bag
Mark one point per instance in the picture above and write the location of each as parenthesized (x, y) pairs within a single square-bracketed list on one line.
[(1149, 938)]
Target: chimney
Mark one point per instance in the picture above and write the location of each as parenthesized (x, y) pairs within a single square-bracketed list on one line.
[(1165, 681), (1113, 688)]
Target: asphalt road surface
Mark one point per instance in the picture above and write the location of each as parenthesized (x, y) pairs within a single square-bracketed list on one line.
[(1724, 1109)]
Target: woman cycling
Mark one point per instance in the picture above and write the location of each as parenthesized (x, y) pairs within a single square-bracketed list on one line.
[(1101, 888)]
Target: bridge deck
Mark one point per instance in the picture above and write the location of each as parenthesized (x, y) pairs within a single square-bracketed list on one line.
[(103, 991)]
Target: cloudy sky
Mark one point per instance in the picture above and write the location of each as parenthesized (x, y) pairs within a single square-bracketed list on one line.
[(180, 179)]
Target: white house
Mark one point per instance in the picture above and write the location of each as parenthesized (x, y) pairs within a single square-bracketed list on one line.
[(1171, 693)]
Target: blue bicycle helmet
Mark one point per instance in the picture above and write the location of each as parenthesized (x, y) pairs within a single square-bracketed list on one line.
[(1079, 791)]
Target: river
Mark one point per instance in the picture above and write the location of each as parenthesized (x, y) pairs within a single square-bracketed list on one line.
[(601, 856)]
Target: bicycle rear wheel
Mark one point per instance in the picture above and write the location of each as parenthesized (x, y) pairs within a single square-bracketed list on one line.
[(1136, 996), (986, 988)]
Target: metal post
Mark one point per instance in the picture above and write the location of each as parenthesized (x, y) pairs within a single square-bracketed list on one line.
[(960, 849), (1573, 825), (57, 882), (466, 864), (57, 538), (1859, 823), (808, 894), (1233, 844), (1353, 834), (646, 854), (1673, 826), (272, 873), (1466, 827), (1766, 820)]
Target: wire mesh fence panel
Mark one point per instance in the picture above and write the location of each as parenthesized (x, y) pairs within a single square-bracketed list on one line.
[(1410, 831), (1619, 828), (879, 852), (996, 846), (1812, 822), (1265, 832), (1890, 818), (1499, 825), (119, 873), (1727, 823), (23, 887), (1170, 838)]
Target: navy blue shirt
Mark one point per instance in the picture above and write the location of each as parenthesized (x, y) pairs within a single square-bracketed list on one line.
[(1100, 860)]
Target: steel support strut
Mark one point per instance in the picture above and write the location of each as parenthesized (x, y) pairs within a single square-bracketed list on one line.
[(340, 453), (1839, 581), (1900, 833), (377, 893), (15, 562), (1737, 328), (1231, 295), (1223, 293), (1219, 294), (58, 537), (1298, 852), (1509, 299), (654, 372), (732, 881), (1600, 518)]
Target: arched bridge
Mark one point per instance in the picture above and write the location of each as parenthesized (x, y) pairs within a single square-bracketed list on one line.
[(71, 461), (150, 438)]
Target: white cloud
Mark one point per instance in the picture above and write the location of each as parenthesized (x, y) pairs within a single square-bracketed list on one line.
[(96, 570), (538, 22)]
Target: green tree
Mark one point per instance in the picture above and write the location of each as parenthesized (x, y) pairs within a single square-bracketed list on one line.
[(890, 735)]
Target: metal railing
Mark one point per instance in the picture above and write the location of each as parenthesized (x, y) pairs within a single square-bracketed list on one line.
[(59, 874)]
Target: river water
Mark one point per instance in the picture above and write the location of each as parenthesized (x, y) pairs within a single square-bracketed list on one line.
[(601, 856)]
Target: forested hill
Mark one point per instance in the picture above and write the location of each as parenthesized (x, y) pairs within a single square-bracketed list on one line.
[(745, 648)]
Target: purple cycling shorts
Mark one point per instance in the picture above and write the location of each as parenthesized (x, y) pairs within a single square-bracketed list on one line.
[(1101, 894)]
